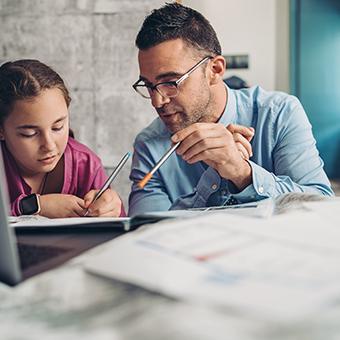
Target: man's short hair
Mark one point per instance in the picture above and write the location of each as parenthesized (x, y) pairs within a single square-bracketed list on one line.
[(175, 21)]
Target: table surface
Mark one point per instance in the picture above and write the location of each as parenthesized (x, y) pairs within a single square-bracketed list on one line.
[(68, 303)]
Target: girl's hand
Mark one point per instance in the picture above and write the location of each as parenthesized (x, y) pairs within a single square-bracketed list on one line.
[(107, 205), (60, 205)]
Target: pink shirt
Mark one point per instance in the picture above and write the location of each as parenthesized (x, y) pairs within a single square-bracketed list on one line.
[(83, 171)]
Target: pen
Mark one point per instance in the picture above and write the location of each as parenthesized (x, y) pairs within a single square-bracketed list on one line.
[(147, 177), (110, 179)]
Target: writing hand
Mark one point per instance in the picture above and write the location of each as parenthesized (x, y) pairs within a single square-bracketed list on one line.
[(107, 205)]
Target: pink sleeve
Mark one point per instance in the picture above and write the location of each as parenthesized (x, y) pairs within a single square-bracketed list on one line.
[(122, 211), (15, 209), (99, 178)]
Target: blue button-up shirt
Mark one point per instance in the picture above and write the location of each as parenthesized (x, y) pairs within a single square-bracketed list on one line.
[(285, 158)]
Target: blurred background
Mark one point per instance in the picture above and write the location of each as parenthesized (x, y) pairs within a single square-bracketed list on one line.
[(286, 45)]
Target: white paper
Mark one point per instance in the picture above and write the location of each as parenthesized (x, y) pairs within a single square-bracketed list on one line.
[(284, 268)]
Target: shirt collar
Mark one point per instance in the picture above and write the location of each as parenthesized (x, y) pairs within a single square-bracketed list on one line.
[(229, 114)]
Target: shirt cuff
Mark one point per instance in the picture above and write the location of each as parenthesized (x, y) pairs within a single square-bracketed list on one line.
[(208, 184), (261, 187)]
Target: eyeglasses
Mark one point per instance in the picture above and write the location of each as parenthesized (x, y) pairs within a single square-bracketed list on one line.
[(167, 89)]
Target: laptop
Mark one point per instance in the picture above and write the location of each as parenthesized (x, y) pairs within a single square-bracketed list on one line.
[(25, 253)]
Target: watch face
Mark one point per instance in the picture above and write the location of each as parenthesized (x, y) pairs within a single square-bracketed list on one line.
[(29, 205)]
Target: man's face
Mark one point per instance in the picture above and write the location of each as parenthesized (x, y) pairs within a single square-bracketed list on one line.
[(168, 61)]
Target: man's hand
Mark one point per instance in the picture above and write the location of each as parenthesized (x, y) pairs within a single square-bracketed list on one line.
[(242, 136), (224, 149), (107, 205), (60, 205)]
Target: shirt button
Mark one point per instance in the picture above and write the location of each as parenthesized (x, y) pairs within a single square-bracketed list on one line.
[(232, 201), (214, 186), (261, 190)]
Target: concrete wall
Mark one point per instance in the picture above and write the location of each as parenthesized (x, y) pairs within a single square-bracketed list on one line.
[(257, 28), (91, 44)]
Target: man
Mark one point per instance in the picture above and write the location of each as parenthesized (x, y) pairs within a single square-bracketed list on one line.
[(181, 70)]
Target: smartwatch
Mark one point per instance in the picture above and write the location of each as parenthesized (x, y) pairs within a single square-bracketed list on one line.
[(30, 205)]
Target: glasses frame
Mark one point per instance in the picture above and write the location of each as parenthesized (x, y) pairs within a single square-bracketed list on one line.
[(175, 83)]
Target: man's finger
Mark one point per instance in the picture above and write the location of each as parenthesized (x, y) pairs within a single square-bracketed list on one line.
[(203, 138), (184, 133), (247, 132), (238, 138), (242, 150)]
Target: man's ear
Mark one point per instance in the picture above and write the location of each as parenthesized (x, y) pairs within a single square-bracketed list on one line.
[(1, 134), (217, 69)]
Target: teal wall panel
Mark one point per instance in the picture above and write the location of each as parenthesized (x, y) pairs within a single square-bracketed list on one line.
[(315, 75)]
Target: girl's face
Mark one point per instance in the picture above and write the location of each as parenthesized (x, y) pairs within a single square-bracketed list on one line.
[(36, 132)]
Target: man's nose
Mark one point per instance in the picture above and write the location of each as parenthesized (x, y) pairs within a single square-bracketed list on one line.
[(157, 100)]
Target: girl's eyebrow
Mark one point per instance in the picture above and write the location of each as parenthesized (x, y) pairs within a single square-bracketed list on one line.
[(60, 119), (27, 126)]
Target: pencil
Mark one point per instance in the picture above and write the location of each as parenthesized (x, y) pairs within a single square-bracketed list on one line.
[(148, 176), (110, 179)]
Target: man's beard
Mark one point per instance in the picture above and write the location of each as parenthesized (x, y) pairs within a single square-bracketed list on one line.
[(182, 119)]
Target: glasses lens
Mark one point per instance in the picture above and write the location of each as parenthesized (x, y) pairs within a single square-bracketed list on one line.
[(143, 90), (167, 90)]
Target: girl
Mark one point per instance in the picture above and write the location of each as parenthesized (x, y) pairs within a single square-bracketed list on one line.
[(47, 171)]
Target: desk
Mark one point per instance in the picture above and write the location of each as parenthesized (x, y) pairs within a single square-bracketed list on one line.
[(67, 303)]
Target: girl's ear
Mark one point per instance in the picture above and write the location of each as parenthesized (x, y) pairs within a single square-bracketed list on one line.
[(1, 134), (217, 69)]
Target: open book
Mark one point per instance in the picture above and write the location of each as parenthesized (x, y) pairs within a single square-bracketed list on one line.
[(38, 222), (119, 223), (256, 209)]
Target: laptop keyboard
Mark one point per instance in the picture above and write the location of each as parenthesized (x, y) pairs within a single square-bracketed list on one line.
[(31, 255)]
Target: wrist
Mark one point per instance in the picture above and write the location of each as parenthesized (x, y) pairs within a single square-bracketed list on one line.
[(243, 177), (30, 205)]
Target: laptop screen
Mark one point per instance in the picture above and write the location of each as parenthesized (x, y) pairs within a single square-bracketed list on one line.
[(10, 272)]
